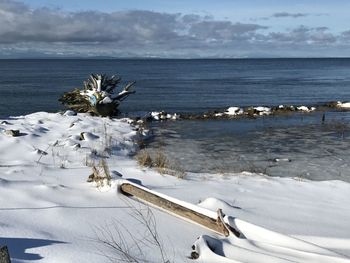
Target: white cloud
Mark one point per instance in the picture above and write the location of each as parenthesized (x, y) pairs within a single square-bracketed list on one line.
[(25, 31), (286, 14)]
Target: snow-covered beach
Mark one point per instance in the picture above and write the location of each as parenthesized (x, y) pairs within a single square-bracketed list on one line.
[(233, 146), (50, 213)]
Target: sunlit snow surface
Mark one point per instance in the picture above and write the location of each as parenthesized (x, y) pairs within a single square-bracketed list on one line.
[(49, 213)]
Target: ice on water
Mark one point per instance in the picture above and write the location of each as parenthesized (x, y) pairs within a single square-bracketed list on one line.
[(302, 147)]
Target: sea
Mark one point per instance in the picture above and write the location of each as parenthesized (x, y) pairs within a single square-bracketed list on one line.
[(312, 146)]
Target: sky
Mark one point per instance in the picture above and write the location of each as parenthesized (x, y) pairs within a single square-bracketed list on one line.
[(174, 29)]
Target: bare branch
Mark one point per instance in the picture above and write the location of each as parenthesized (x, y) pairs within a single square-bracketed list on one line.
[(126, 245)]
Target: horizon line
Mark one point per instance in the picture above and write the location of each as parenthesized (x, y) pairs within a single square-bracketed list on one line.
[(164, 58)]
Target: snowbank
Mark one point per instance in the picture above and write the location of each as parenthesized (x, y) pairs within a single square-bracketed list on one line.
[(49, 213)]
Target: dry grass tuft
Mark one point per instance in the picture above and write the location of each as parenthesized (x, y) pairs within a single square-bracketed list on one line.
[(161, 163), (144, 159), (100, 174)]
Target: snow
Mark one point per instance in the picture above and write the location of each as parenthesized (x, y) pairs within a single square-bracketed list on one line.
[(49, 213), (234, 111), (263, 110), (345, 105), (106, 100), (305, 108), (161, 115)]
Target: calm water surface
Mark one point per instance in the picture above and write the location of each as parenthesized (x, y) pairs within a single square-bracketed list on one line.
[(199, 85), (178, 85)]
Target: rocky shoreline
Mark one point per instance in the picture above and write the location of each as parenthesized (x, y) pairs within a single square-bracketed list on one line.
[(235, 112)]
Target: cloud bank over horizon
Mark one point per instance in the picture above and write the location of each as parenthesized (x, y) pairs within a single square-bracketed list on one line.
[(40, 32)]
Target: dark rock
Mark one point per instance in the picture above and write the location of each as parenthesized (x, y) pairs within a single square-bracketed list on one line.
[(332, 104), (76, 146), (116, 174), (194, 255), (13, 133), (41, 152), (91, 178)]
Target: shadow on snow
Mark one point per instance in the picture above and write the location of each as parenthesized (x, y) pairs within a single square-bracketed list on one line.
[(17, 247)]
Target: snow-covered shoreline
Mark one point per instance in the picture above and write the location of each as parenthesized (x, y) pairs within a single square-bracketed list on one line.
[(50, 213)]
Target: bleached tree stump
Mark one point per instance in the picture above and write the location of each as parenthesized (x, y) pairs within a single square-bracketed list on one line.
[(99, 96)]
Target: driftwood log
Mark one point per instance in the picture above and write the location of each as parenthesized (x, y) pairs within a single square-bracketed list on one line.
[(99, 95), (4, 255), (215, 224)]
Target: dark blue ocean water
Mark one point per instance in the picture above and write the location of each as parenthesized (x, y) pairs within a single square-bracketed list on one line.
[(313, 150), (178, 85)]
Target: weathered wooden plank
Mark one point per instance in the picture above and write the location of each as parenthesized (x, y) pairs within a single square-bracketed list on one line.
[(4, 255), (216, 225)]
